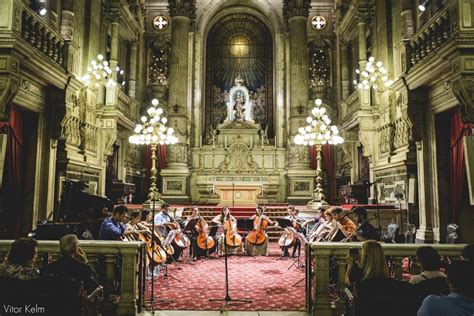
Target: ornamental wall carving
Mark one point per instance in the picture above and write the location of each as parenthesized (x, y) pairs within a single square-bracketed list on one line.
[(298, 155)]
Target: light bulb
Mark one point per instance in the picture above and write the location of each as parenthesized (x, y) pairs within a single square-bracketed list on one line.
[(371, 59), (301, 130), (322, 110), (155, 102), (314, 111), (309, 119), (143, 119), (422, 8), (151, 110), (318, 102), (379, 64), (159, 110)]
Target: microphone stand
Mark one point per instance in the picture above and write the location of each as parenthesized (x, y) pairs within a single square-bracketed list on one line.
[(227, 297)]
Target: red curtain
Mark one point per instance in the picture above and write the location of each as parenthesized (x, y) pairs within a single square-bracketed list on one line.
[(457, 167), (12, 184), (327, 155), (160, 158)]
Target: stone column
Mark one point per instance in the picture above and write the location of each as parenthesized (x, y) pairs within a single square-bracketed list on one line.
[(176, 174), (114, 43), (296, 13), (181, 11), (132, 81), (344, 72)]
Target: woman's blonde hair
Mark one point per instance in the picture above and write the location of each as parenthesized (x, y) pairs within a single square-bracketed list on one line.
[(373, 260)]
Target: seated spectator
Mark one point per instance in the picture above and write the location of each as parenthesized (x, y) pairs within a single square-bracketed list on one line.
[(20, 260), (460, 301), (376, 293), (468, 253), (73, 264), (430, 263), (365, 230)]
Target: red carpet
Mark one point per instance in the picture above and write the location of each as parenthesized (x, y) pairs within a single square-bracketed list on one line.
[(264, 280)]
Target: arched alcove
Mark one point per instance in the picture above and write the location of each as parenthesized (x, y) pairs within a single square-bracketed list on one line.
[(239, 44)]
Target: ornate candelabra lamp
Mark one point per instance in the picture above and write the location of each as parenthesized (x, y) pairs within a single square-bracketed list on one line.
[(153, 131), (374, 76), (99, 73), (318, 132)]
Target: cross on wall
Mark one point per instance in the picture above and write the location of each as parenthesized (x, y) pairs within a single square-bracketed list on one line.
[(318, 22), (160, 22)]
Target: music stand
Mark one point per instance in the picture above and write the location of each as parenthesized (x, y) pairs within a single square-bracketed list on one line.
[(297, 262), (227, 297), (190, 228), (169, 239)]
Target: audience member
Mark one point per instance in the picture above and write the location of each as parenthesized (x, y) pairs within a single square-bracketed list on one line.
[(365, 230), (20, 261), (112, 228), (468, 253), (73, 264), (376, 292), (430, 263), (460, 302)]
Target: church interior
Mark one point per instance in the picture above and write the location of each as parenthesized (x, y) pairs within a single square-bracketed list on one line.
[(257, 157)]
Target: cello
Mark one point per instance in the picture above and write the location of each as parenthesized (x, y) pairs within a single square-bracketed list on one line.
[(258, 236), (232, 238), (203, 240)]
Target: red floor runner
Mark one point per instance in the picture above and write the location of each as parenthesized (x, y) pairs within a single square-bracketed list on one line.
[(264, 280)]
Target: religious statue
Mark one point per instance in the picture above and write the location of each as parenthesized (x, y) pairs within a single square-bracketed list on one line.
[(239, 109)]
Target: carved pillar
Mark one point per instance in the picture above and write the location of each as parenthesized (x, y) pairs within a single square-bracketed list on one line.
[(362, 21), (296, 13), (114, 44), (132, 70), (176, 174), (344, 71), (181, 14), (9, 83)]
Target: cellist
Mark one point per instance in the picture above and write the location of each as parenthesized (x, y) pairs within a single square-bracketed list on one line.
[(297, 225), (261, 249), (220, 220), (194, 249)]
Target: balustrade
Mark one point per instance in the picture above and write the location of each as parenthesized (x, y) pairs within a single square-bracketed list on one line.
[(324, 256), (352, 104), (431, 36), (41, 36), (103, 257)]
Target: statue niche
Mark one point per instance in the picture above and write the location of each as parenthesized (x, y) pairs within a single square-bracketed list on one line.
[(239, 107)]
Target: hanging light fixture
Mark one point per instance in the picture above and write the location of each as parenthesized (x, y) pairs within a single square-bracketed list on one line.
[(99, 73), (374, 76), (422, 6)]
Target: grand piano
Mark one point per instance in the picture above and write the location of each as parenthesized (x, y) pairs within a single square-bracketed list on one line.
[(80, 213)]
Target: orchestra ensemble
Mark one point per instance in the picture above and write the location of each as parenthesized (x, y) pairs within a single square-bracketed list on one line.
[(168, 238)]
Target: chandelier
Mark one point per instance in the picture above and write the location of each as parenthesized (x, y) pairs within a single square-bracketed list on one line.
[(318, 132), (374, 76), (153, 131), (99, 73)]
